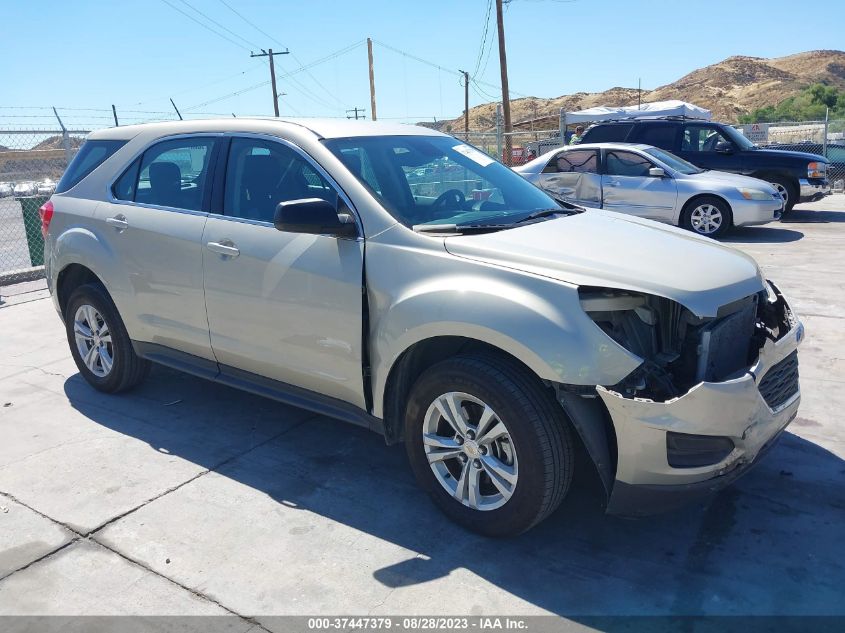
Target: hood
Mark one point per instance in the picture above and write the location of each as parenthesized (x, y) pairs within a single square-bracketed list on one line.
[(803, 156), (734, 180), (602, 248)]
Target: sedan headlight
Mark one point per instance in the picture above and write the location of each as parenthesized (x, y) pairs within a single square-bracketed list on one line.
[(816, 170), (753, 194)]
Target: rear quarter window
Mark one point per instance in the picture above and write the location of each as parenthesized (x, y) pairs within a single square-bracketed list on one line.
[(91, 155), (613, 133)]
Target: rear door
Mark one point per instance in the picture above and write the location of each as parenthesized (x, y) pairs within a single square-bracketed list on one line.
[(627, 187), (574, 175), (285, 306), (153, 224)]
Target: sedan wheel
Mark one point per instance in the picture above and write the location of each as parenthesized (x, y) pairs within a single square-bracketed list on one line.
[(470, 451), (707, 215), (706, 219), (93, 340)]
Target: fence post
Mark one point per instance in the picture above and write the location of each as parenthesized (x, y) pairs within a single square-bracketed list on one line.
[(499, 154), (562, 125), (824, 140), (65, 137)]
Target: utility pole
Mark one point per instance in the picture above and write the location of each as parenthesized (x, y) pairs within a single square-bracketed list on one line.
[(175, 108), (466, 105), (356, 110), (506, 100), (372, 79), (269, 53)]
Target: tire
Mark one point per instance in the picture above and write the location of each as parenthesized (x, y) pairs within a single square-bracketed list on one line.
[(536, 449), (707, 215), (112, 367), (787, 189)]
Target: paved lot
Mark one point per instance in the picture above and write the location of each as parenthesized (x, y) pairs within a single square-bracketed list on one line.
[(185, 497)]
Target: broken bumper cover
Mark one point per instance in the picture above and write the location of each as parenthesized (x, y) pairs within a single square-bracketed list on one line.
[(645, 481)]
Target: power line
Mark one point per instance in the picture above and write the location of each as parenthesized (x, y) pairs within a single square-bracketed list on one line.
[(293, 55), (216, 23), (203, 25), (483, 38)]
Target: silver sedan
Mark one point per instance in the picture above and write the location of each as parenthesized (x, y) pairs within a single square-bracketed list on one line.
[(652, 183)]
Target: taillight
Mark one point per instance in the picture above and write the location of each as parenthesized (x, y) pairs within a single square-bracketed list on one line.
[(46, 214)]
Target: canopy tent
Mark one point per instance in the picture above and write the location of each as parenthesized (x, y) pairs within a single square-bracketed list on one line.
[(646, 110)]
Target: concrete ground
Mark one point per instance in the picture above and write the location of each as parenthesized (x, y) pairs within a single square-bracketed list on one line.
[(185, 497)]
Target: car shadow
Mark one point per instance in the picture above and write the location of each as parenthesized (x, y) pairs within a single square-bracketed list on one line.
[(762, 235), (810, 216), (769, 544)]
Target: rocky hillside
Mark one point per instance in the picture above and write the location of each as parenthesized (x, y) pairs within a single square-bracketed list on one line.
[(734, 86)]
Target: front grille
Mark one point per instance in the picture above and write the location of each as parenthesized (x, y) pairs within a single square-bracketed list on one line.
[(781, 382)]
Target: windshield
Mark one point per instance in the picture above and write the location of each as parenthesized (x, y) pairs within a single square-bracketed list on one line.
[(738, 138), (675, 162), (438, 180)]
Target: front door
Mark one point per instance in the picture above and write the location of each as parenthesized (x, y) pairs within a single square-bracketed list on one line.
[(707, 147), (284, 306), (627, 187), (574, 175)]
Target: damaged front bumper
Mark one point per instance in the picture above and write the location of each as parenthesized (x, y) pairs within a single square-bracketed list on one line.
[(751, 410)]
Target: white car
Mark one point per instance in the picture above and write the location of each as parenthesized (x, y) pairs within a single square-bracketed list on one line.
[(46, 187), (652, 183), (25, 189)]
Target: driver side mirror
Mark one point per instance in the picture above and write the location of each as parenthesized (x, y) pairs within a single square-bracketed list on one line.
[(723, 147), (657, 172), (314, 216)]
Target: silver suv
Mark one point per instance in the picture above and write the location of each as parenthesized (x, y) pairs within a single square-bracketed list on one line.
[(401, 280)]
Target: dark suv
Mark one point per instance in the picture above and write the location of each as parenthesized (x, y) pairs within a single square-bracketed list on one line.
[(799, 176)]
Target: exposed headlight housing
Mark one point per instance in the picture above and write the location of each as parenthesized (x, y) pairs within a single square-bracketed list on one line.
[(816, 169), (753, 194)]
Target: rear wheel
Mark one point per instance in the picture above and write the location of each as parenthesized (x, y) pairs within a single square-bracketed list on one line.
[(99, 343), (489, 444), (707, 215)]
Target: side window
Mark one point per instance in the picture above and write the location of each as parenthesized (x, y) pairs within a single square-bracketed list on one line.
[(607, 133), (620, 163), (91, 155), (701, 138), (578, 161), (662, 136), (260, 174), (127, 184), (173, 174)]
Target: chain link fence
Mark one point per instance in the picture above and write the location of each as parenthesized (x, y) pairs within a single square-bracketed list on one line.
[(31, 162), (825, 138)]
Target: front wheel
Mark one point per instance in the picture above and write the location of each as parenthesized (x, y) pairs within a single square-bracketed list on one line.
[(490, 445), (788, 191), (707, 215)]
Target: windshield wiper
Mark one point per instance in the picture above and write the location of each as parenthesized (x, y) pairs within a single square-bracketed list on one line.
[(544, 213), (459, 228)]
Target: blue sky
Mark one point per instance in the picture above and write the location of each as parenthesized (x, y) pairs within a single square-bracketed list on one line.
[(138, 53)]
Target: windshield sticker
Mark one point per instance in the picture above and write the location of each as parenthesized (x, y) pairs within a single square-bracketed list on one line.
[(473, 154)]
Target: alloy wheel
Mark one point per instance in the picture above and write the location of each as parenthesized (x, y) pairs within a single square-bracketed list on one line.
[(470, 451), (782, 191), (706, 219), (93, 340)]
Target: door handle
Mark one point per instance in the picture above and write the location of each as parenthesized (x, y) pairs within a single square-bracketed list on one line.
[(613, 183), (119, 222), (225, 248)]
